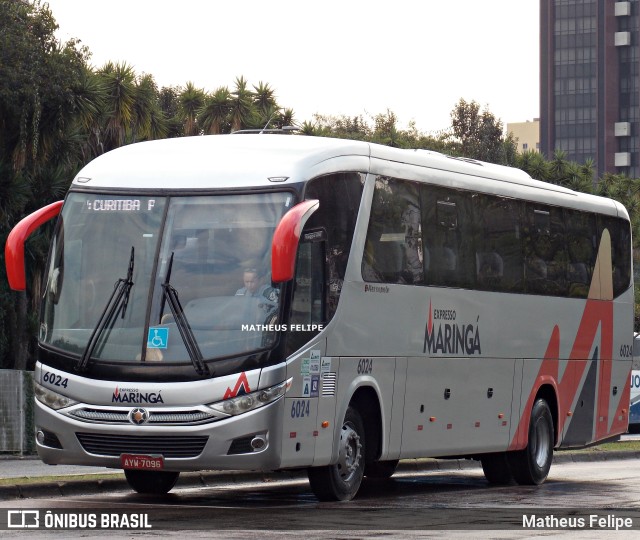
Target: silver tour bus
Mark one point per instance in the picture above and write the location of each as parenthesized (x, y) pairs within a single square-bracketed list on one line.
[(270, 302)]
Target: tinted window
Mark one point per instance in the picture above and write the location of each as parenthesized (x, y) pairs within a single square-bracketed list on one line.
[(498, 254), (339, 196), (545, 254), (581, 251), (393, 252), (449, 232)]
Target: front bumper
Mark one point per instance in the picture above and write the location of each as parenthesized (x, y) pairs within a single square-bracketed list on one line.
[(222, 444)]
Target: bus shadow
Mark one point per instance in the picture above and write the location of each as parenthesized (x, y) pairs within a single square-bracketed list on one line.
[(429, 490)]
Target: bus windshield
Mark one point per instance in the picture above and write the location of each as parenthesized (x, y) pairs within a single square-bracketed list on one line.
[(209, 255)]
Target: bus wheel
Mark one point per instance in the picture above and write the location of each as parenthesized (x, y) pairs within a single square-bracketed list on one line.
[(340, 482), (496, 468), (380, 470), (531, 465), (150, 482)]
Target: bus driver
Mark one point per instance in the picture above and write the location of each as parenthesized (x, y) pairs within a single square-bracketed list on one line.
[(254, 287)]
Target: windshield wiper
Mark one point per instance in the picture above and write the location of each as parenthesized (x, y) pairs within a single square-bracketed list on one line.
[(170, 295), (118, 302)]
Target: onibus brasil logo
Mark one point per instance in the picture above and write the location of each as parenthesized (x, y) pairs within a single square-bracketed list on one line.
[(444, 335)]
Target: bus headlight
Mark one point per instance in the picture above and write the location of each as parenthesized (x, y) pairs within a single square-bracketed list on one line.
[(52, 399), (254, 400)]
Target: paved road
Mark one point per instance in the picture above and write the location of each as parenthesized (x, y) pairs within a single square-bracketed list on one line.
[(410, 505)]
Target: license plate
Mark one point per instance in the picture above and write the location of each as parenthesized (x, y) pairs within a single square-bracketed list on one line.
[(142, 462)]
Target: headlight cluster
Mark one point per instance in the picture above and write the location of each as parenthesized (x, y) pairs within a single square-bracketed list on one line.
[(52, 399), (254, 400)]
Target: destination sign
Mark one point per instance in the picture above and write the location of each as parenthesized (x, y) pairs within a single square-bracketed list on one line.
[(120, 205)]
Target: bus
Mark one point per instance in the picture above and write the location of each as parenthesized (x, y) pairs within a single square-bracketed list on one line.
[(634, 398), (634, 405), (267, 302)]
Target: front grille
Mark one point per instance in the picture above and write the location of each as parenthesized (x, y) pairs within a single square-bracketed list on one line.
[(164, 417), (165, 445)]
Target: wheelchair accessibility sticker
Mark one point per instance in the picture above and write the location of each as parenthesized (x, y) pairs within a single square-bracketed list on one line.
[(157, 338)]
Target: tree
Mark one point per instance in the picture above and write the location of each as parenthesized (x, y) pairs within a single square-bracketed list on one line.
[(120, 96), (264, 101), (214, 116), (190, 101), (243, 113), (170, 106), (39, 126), (478, 134)]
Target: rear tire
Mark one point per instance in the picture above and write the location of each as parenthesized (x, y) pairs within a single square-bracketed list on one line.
[(341, 481), (151, 482), (531, 465), (380, 470), (496, 469)]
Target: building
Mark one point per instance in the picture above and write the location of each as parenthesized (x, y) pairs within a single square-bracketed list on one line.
[(589, 82), (527, 133)]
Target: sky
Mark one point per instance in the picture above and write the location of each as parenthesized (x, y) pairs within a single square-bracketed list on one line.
[(416, 58)]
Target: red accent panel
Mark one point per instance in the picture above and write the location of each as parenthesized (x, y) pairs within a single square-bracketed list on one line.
[(286, 238), (14, 248), (596, 314), (548, 374)]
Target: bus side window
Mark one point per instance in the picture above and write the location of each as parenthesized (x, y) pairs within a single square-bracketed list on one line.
[(394, 249), (581, 248), (545, 258), (308, 304), (620, 234), (498, 249)]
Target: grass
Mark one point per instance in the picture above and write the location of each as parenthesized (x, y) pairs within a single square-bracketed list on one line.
[(619, 446), (26, 480)]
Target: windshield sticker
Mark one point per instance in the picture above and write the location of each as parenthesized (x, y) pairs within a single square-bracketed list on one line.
[(158, 338), (326, 364), (306, 386), (315, 385), (304, 367)]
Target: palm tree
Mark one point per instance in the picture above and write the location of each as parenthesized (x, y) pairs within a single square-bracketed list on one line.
[(308, 128), (169, 105), (89, 103), (146, 121), (287, 118), (534, 164), (190, 100), (242, 108), (558, 167), (264, 101), (120, 95), (214, 115)]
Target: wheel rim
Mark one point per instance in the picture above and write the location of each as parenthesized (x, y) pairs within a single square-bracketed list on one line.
[(542, 441), (350, 454)]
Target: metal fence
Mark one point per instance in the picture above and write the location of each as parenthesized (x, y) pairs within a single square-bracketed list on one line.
[(16, 411)]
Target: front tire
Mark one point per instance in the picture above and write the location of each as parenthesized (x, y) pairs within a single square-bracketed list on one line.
[(531, 465), (151, 482), (341, 481), (496, 468)]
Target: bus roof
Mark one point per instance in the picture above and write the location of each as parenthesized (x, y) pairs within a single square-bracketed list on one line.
[(265, 160)]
